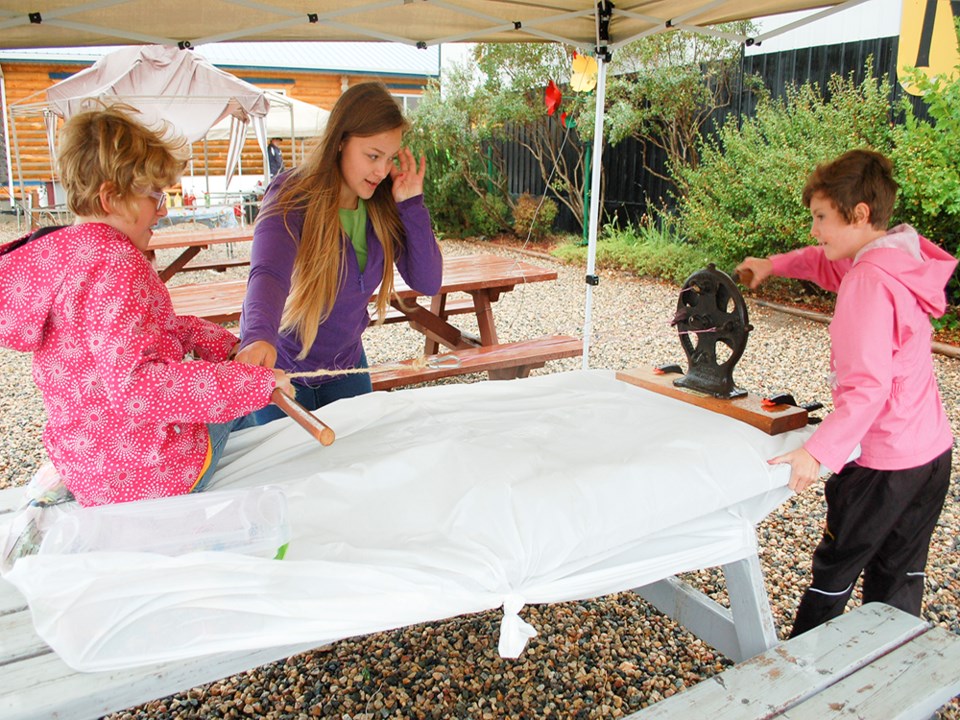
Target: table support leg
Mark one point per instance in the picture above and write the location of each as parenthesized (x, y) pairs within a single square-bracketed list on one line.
[(437, 305), (179, 263), (741, 632), (488, 331)]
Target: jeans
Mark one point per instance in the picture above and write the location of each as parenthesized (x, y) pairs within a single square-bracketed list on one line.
[(310, 397), (313, 398), (219, 432)]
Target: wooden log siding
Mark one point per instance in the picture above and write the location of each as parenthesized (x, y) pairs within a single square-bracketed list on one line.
[(23, 79)]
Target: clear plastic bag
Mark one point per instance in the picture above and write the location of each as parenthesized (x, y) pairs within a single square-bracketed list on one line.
[(252, 521)]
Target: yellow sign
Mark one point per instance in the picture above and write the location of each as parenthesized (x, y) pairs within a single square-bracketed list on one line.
[(584, 75), (928, 41)]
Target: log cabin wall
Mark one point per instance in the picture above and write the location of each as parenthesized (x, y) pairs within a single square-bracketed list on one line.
[(24, 79)]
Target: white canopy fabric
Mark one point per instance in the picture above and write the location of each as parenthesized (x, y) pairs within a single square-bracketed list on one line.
[(170, 87), (288, 117), (431, 503), (68, 23), (602, 25)]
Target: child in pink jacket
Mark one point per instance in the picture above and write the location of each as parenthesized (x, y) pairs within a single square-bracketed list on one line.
[(883, 507), (129, 415)]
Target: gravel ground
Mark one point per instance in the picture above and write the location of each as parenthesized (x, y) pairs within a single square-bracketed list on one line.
[(601, 658)]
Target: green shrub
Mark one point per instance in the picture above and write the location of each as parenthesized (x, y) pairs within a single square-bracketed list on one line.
[(533, 217), (745, 196), (651, 249), (927, 166), (489, 215)]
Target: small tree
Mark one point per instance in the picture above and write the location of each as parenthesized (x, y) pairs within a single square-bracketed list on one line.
[(448, 130), (482, 104), (664, 89)]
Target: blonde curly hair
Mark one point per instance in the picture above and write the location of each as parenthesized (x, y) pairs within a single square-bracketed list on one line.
[(106, 148)]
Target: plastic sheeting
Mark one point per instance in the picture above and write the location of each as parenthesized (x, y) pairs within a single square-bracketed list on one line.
[(431, 503)]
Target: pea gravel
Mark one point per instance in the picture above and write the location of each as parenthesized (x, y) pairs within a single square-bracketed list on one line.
[(601, 658)]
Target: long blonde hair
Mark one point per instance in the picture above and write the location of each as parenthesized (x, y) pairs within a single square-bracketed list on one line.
[(313, 188)]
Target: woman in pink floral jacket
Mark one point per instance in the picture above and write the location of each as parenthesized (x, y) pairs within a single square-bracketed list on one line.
[(130, 416)]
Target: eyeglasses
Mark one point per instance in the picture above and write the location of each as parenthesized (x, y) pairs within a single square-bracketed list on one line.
[(160, 197)]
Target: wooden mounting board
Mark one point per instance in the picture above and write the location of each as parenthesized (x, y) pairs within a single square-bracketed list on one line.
[(748, 408)]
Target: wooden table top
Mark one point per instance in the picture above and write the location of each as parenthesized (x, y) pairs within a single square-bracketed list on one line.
[(195, 238), (463, 273)]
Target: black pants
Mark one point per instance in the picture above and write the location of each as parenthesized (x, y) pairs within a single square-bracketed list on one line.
[(879, 522)]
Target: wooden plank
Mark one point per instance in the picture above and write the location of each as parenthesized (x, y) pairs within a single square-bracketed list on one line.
[(45, 686), (11, 601), (772, 682), (773, 420), (528, 353), (193, 238), (222, 301), (910, 683), (217, 302), (18, 639), (216, 265), (458, 306), (744, 630), (749, 608)]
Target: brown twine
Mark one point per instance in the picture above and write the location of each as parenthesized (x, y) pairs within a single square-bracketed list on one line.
[(421, 363)]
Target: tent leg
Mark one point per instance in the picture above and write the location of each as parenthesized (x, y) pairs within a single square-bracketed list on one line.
[(594, 207)]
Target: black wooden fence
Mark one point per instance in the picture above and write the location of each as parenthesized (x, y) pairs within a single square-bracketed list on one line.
[(630, 191)]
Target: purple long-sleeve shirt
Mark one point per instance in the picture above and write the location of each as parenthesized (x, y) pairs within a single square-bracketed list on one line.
[(338, 342)]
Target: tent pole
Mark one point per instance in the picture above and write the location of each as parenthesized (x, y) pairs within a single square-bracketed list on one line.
[(206, 167), (592, 278)]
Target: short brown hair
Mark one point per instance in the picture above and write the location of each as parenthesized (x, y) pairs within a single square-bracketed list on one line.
[(857, 176), (107, 145)]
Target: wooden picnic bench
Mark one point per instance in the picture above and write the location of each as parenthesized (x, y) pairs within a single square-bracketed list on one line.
[(519, 358), (483, 279), (36, 683), (875, 662)]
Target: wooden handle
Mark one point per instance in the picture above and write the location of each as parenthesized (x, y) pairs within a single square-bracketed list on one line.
[(307, 420), (744, 277)]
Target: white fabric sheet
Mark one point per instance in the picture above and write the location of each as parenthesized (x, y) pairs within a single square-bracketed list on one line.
[(431, 503), (165, 84)]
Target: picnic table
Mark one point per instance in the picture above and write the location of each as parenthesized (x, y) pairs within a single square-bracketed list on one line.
[(408, 545), (191, 242), (221, 216), (472, 284)]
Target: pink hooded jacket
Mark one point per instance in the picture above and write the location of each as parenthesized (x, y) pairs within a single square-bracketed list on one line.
[(126, 412), (885, 393)]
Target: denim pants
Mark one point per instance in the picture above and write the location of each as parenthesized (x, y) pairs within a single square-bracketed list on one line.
[(219, 432), (311, 398)]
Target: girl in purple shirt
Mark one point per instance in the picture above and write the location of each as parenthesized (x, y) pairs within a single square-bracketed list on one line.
[(329, 233)]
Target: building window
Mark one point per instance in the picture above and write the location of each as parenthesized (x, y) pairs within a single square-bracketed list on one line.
[(406, 102)]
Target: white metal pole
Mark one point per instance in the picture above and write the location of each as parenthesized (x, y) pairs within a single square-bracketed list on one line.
[(595, 207)]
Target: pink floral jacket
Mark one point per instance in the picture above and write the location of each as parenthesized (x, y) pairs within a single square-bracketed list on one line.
[(126, 408)]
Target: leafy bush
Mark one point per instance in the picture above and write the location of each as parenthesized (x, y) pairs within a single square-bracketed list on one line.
[(489, 215), (533, 216), (928, 170), (744, 197), (651, 249)]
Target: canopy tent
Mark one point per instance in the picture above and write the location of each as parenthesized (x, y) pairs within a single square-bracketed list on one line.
[(601, 25), (288, 117), (172, 88)]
